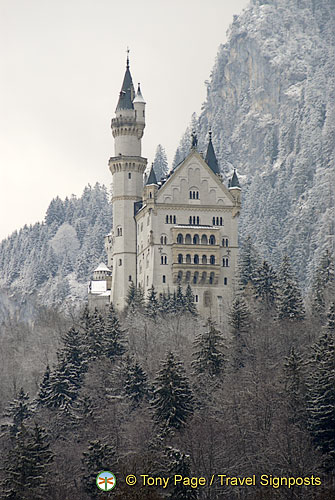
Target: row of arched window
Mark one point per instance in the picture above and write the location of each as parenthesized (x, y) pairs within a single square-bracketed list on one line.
[(217, 221), (194, 195), (194, 220), (164, 260), (170, 219), (197, 277), (204, 260), (196, 259), (196, 239)]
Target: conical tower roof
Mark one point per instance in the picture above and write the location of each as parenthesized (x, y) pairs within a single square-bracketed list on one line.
[(152, 179), (210, 156), (234, 180), (127, 91)]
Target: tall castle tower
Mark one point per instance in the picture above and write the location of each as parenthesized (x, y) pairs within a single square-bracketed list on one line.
[(127, 167)]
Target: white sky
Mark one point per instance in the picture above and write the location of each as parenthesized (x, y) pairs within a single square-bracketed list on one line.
[(62, 64)]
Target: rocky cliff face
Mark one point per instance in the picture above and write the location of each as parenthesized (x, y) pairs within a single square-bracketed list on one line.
[(270, 104)]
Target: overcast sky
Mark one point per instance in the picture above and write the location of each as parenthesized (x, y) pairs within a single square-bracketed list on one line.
[(61, 68)]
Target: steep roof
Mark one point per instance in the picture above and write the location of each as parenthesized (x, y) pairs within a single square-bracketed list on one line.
[(139, 96), (234, 181), (102, 267), (152, 177), (210, 156), (127, 91)]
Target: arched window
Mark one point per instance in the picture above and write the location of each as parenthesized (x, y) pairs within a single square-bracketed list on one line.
[(180, 239), (221, 221), (188, 258), (223, 262), (217, 221), (174, 219), (188, 239), (170, 219), (120, 262), (212, 260), (167, 219), (196, 259), (119, 231), (162, 259), (150, 194), (195, 277), (212, 239), (180, 258), (197, 195), (227, 242), (165, 259), (204, 276), (195, 239), (129, 175), (190, 220), (180, 276), (211, 278), (213, 221), (204, 239), (188, 276), (198, 221), (204, 259), (164, 278), (225, 281), (227, 263), (190, 195), (162, 240)]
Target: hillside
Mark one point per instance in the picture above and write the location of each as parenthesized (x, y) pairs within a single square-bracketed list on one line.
[(50, 262), (270, 104)]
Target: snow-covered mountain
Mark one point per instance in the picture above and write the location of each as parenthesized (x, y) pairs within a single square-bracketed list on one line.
[(270, 104), (50, 263)]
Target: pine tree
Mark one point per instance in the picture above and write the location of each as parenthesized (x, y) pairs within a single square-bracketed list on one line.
[(18, 411), (248, 262), (209, 358), (323, 280), (27, 465), (113, 343), (180, 464), (136, 382), (98, 457), (135, 298), (152, 307), (240, 323), (173, 400), (160, 163), (321, 395), (179, 299), (265, 283), (44, 389), (295, 386), (290, 305), (189, 301)]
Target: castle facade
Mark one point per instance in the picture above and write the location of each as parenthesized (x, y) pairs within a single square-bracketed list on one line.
[(177, 230)]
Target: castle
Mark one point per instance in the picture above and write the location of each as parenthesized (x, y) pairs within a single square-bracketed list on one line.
[(181, 229)]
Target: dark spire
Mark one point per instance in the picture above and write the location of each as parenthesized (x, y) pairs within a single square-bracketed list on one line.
[(234, 180), (152, 176), (127, 91), (210, 156)]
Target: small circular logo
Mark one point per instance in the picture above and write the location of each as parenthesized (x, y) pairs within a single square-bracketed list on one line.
[(106, 480)]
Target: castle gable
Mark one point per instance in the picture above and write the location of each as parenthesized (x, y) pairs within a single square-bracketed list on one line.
[(193, 182)]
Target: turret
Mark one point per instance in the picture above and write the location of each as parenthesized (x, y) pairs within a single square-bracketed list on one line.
[(234, 187), (139, 106), (127, 167)]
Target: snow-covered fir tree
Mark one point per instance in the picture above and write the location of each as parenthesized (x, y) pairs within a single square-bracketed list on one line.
[(290, 305), (160, 163), (18, 411), (136, 382), (173, 400), (266, 285), (209, 355)]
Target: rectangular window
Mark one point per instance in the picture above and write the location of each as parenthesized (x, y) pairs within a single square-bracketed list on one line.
[(225, 281), (164, 278), (129, 277)]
